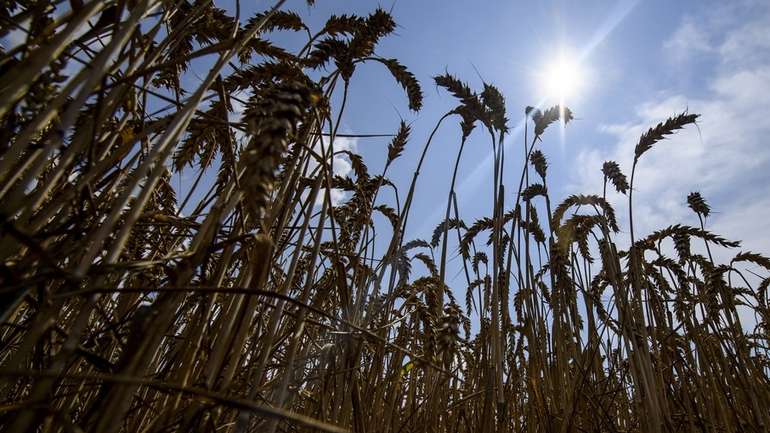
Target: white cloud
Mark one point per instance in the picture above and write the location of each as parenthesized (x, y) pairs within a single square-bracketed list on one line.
[(726, 157), (736, 32), (687, 39), (747, 221), (748, 43), (340, 164)]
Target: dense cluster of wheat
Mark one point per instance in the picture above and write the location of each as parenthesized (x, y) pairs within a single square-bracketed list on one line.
[(258, 303)]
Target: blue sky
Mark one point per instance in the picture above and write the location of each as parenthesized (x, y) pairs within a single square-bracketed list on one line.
[(642, 61)]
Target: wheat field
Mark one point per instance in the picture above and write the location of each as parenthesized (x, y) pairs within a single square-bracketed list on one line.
[(249, 299)]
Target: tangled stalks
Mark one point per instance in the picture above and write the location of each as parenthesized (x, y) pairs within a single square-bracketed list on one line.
[(249, 299)]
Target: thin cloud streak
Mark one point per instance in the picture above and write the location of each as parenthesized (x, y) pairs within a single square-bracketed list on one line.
[(470, 184)]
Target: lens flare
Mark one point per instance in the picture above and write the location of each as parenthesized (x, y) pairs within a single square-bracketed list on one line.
[(563, 79)]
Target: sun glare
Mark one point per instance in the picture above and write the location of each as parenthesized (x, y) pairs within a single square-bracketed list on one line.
[(563, 79)]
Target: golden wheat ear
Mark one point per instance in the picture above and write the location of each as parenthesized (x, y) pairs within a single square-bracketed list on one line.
[(698, 204), (659, 132), (280, 295), (611, 171)]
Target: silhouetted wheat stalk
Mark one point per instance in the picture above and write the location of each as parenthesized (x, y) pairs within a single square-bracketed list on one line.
[(247, 298)]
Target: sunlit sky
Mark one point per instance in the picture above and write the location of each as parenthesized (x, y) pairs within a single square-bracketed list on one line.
[(639, 61), (636, 61)]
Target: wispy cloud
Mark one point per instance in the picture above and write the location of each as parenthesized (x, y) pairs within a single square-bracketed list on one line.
[(689, 38), (341, 165), (726, 157)]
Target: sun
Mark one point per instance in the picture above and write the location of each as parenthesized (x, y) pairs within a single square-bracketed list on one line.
[(562, 79)]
